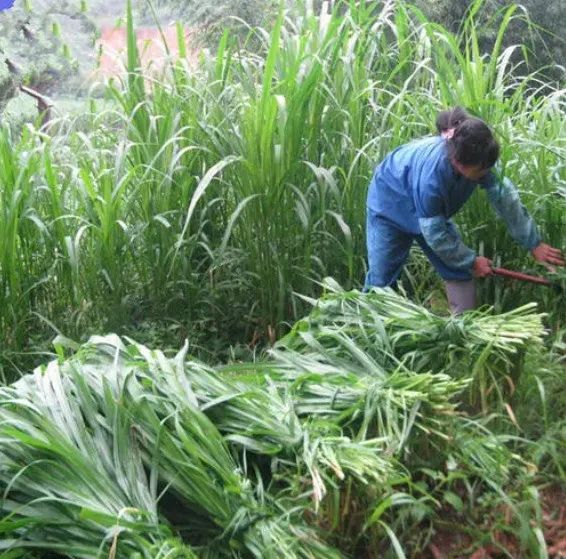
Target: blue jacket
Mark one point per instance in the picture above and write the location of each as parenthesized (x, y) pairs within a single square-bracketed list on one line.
[(416, 188)]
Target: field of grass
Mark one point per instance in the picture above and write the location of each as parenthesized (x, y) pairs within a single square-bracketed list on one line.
[(214, 206)]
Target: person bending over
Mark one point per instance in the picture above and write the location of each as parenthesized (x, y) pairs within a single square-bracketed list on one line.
[(419, 186)]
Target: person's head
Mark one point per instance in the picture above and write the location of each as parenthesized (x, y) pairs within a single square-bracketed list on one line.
[(472, 148), (447, 121)]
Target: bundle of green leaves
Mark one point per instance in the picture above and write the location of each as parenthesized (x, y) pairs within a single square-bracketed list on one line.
[(120, 449), (483, 347)]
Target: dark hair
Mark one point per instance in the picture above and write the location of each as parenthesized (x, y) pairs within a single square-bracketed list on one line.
[(473, 143), (450, 119)]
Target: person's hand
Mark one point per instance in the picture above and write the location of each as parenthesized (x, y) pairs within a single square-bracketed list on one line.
[(548, 256), (482, 267)]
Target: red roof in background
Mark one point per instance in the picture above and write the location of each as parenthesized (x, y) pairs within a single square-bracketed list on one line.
[(112, 47)]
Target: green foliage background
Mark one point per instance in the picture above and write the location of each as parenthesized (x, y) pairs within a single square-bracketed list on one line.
[(213, 207), (544, 39), (45, 64)]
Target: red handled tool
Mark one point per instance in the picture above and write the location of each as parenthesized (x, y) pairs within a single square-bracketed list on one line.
[(520, 276), (525, 277)]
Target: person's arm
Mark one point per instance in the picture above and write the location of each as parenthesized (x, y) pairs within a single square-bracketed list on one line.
[(443, 238), (504, 198), (440, 233)]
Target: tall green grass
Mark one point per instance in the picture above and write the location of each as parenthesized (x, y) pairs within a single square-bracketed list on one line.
[(207, 202)]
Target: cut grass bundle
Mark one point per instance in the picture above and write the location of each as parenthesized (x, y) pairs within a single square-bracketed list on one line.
[(138, 452), (482, 346), (257, 415), (79, 439), (71, 474)]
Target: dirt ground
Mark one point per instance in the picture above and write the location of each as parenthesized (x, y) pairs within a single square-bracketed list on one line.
[(452, 544)]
